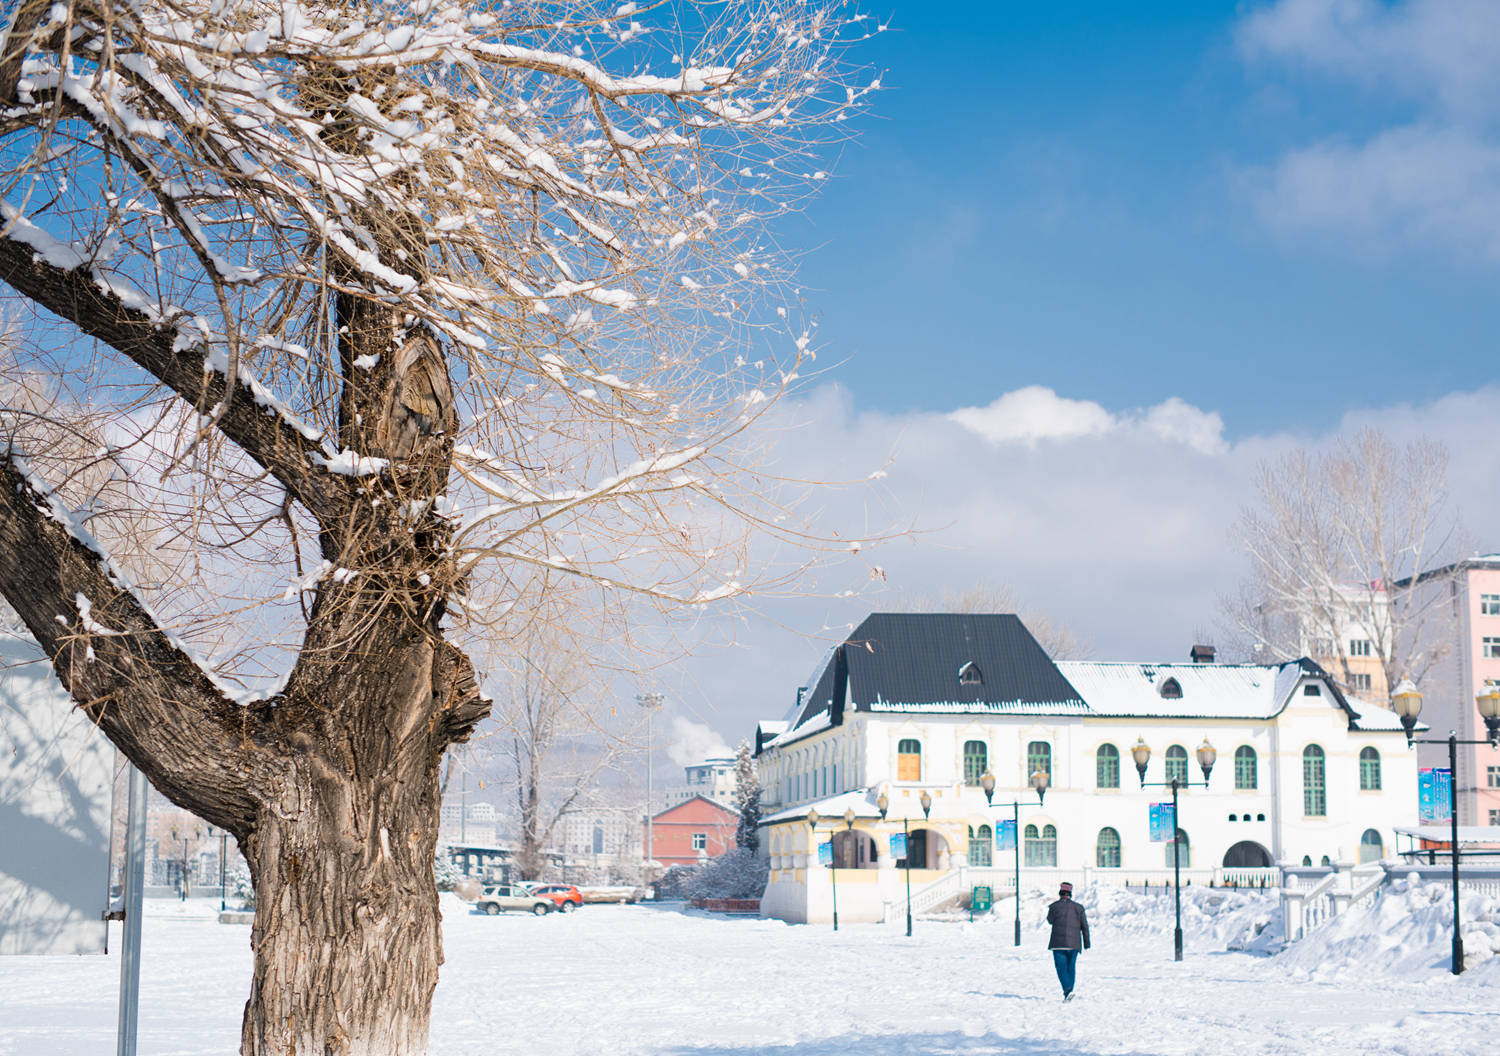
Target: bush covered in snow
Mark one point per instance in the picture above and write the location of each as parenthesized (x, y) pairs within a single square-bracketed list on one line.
[(738, 873)]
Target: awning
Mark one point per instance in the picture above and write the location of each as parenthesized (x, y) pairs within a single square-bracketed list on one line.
[(1444, 833)]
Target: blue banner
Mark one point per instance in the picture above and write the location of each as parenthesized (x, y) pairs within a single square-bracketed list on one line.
[(898, 845), (1161, 822), (1005, 835), (825, 853), (1434, 794)]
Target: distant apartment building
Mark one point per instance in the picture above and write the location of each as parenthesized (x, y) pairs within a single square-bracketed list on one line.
[(600, 837), (1346, 633), (1469, 593), (469, 824), (713, 779)]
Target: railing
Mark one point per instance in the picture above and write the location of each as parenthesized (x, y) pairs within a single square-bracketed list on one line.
[(1046, 878), (1472, 879), (927, 896), (1304, 908)]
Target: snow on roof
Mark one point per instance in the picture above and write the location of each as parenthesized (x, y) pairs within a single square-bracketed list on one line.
[(861, 801), (990, 707), (1209, 691)]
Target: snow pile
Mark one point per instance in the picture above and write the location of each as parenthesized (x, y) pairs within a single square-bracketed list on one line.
[(1408, 928)]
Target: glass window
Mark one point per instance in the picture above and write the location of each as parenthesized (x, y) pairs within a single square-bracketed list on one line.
[(1179, 851), (1107, 849), (1038, 757), (1171, 689), (1492, 776), (981, 845), (1359, 647), (1107, 766), (1369, 770), (1306, 860), (700, 841), (1041, 848), (1244, 768), (1371, 846), (1358, 681), (970, 675), (976, 761), (1492, 648), (1314, 791), (1489, 604), (1177, 764), (1495, 817), (909, 760)]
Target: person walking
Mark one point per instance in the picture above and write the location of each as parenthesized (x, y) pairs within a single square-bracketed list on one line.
[(1070, 936)]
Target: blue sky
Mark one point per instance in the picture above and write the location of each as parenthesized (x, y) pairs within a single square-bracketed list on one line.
[(1074, 195)]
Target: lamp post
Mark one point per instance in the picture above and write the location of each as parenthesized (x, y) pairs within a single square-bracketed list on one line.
[(1206, 753), (651, 702), (813, 817), (1407, 702), (1039, 781), (223, 850)]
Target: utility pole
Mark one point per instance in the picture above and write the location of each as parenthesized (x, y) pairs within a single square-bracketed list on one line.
[(651, 702)]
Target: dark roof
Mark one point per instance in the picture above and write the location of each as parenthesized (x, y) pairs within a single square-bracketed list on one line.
[(912, 661), (1478, 561)]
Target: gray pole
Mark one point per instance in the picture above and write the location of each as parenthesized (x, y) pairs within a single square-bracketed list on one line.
[(133, 881), (1015, 809), (1176, 876), (649, 701), (905, 832), (1458, 938)]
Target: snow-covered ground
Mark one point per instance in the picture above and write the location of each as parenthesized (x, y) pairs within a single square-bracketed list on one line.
[(651, 980)]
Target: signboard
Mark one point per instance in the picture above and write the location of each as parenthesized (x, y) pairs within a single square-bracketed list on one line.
[(1434, 794), (1005, 836), (56, 782), (898, 845), (825, 853), (1161, 822), (981, 899)]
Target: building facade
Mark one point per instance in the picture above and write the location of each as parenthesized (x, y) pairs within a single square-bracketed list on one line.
[(712, 779), (692, 832), (924, 705), (1468, 596)]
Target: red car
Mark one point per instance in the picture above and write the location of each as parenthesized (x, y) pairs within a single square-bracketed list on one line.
[(565, 896)]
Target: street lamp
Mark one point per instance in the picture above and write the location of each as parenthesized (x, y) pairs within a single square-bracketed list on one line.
[(1207, 754), (1407, 702), (651, 702), (813, 817), (1039, 782), (223, 849)]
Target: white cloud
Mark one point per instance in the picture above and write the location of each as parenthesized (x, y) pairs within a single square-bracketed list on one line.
[(693, 742), (1433, 179), (1034, 414)]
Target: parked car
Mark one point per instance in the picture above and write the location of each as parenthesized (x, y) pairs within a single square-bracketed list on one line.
[(495, 898), (565, 897)]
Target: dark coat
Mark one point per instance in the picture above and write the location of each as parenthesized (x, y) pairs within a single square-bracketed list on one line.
[(1070, 928)]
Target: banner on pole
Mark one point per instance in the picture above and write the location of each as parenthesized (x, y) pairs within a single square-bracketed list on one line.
[(1005, 835), (1161, 822), (1434, 794), (825, 853), (898, 845)]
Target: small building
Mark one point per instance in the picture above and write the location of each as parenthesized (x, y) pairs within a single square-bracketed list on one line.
[(714, 779), (919, 707), (692, 831)]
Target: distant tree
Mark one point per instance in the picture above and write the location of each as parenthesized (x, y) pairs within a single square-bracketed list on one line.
[(747, 799), (1329, 539), (737, 873), (1059, 641)]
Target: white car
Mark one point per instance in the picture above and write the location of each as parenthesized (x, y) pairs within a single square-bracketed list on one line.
[(495, 898)]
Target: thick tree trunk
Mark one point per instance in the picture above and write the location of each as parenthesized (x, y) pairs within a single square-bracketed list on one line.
[(347, 933)]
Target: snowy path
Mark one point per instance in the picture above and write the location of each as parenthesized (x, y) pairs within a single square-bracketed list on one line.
[(637, 980)]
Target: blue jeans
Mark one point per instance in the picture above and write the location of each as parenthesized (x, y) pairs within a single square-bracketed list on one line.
[(1066, 962)]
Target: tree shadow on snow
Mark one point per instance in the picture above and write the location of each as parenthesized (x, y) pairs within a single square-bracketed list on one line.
[(952, 1043)]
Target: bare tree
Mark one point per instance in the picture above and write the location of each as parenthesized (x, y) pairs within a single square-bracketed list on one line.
[(410, 312), (556, 735), (1331, 537), (1059, 640)]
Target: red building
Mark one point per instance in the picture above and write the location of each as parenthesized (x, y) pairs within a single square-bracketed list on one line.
[(692, 831)]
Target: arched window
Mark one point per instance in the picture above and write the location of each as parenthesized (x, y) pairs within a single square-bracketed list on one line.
[(1041, 848), (1369, 770), (1180, 851), (1177, 764), (1371, 846), (1314, 790), (976, 761), (1107, 767), (1325, 861), (1245, 776), (1306, 860), (1171, 689), (970, 675), (981, 845), (1038, 757), (1107, 849), (909, 759)]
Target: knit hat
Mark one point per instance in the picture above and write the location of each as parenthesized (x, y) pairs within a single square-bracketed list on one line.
[(1065, 889)]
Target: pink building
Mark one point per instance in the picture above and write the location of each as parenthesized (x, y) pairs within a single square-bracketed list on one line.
[(692, 831), (1468, 641)]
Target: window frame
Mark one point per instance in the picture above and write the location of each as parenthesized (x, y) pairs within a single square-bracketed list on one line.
[(1103, 850), (1241, 784), (1490, 647), (1369, 769), (903, 758), (1172, 762), (1314, 782), (700, 841), (1038, 750), (1185, 843), (1106, 766), (984, 837), (972, 774), (1489, 604)]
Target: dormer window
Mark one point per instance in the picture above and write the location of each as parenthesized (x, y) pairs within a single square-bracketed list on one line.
[(1311, 690), (969, 675), (1171, 689)]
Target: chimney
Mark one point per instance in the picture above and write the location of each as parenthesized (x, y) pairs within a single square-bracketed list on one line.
[(1202, 654)]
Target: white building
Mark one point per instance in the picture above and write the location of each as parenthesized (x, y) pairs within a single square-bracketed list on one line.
[(712, 779), (926, 704)]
